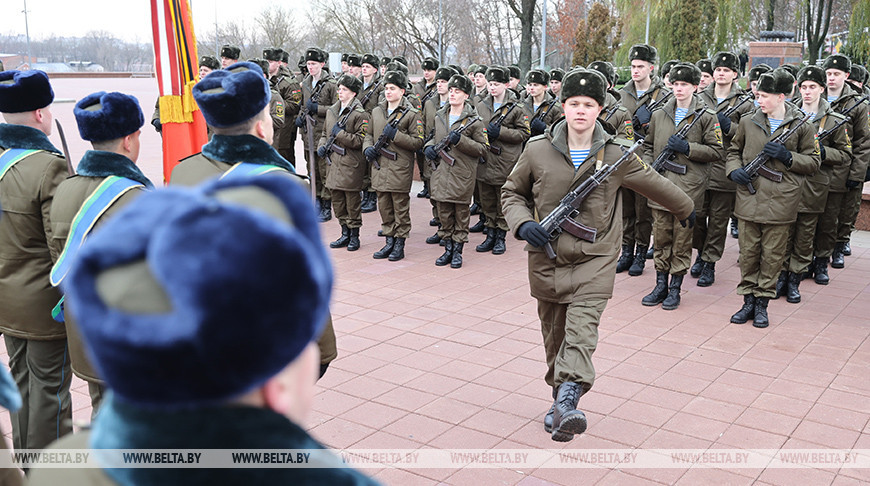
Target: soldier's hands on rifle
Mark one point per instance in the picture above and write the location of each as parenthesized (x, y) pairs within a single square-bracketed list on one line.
[(493, 131), (430, 153), (321, 151), (312, 107), (740, 176), (643, 115), (454, 137), (390, 132), (370, 153), (538, 127), (778, 151), (335, 129), (677, 144), (690, 220), (533, 233), (724, 122), (300, 121)]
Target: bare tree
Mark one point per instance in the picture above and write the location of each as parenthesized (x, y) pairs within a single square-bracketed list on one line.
[(818, 18)]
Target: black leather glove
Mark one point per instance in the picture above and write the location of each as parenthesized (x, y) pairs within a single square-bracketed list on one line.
[(390, 131), (779, 152), (643, 114), (321, 151), (312, 107), (335, 129), (370, 153), (534, 233), (454, 137), (822, 153), (538, 127), (724, 122), (493, 131), (430, 153), (157, 125), (740, 176), (690, 220), (852, 184), (300, 121), (678, 145)]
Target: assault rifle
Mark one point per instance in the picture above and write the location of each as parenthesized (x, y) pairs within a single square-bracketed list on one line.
[(652, 107), (757, 168), (542, 113), (331, 147), (562, 217), (310, 123), (847, 110), (381, 145), (498, 121), (368, 95), (665, 160), (611, 112), (743, 99), (443, 146), (426, 97)]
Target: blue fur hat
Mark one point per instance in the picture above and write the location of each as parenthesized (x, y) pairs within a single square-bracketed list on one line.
[(22, 91), (194, 296), (234, 95), (107, 116)]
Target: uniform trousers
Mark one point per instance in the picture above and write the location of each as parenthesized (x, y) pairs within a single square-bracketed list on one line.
[(395, 209), (826, 229), (454, 221), (490, 204), (346, 206), (673, 252), (320, 189), (636, 219), (570, 334), (97, 391), (41, 369), (711, 228), (800, 243), (849, 213), (762, 253)]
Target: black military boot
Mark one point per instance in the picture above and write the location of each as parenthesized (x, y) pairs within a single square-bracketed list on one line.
[(793, 294), (474, 209), (837, 260), (325, 210), (708, 275), (761, 319), (370, 203), (425, 191), (487, 244), (659, 292), (479, 226), (353, 242), (456, 261), (434, 222), (697, 267), (734, 232), (342, 240), (386, 250), (398, 250), (650, 253), (548, 418), (445, 257), (499, 248), (434, 239), (567, 420), (820, 270), (625, 258), (780, 284), (847, 249), (639, 261), (746, 312), (672, 301)]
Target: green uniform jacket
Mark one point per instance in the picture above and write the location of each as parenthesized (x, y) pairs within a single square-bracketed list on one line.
[(548, 113), (291, 97), (396, 175), (859, 132), (543, 176), (276, 110), (513, 135), (619, 124), (455, 184), (775, 202), (374, 91), (431, 107), (719, 180), (26, 193), (347, 171), (705, 147), (328, 96), (630, 100), (419, 90), (838, 153)]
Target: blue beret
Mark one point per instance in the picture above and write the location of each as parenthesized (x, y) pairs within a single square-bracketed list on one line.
[(234, 95), (107, 116), (194, 296), (22, 91)]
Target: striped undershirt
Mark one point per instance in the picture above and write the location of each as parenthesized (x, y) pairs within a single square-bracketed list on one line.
[(578, 157), (680, 114), (774, 123)]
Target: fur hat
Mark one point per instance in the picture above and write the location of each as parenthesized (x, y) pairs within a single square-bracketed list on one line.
[(397, 66), (457, 68), (838, 61), (230, 51), (397, 78), (479, 69), (643, 52), (385, 60), (370, 59), (605, 68), (514, 72), (154, 326), (22, 91), (471, 68), (302, 65), (497, 74), (667, 66), (791, 68), (685, 72), (430, 64), (778, 81), (814, 74), (538, 77), (728, 60), (210, 62), (401, 59), (445, 73), (352, 83), (105, 116), (344, 56), (354, 60), (858, 74), (557, 75), (264, 65), (757, 71), (231, 96), (273, 53), (584, 82), (314, 54), (460, 82), (285, 57), (706, 66)]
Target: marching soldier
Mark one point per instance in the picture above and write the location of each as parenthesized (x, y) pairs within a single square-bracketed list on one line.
[(398, 123), (688, 170), (556, 76), (346, 126), (107, 180), (424, 90), (752, 78), (480, 91), (706, 67), (665, 70), (354, 65), (344, 67), (383, 67), (276, 103), (229, 55), (710, 232), (514, 83), (615, 118), (453, 182), (572, 290), (31, 168), (291, 94), (507, 132), (765, 218), (542, 108), (436, 103)]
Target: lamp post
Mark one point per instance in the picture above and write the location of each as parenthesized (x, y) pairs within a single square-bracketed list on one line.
[(440, 32), (27, 32), (543, 33)]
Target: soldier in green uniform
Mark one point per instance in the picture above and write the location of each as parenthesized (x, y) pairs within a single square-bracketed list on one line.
[(208, 64), (752, 78), (665, 70), (615, 118), (442, 77), (424, 90), (344, 66), (354, 65), (572, 290), (480, 91), (766, 217), (706, 67), (291, 94), (230, 55), (556, 76), (701, 146), (31, 168), (542, 108), (370, 96), (514, 82)]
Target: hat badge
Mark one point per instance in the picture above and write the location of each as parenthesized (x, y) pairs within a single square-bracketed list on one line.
[(582, 82)]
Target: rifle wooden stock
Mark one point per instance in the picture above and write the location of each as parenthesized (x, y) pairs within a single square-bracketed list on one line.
[(388, 153), (495, 149), (665, 160), (446, 157)]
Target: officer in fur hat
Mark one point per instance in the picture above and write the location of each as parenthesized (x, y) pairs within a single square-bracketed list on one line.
[(556, 76), (276, 103), (430, 108), (706, 67), (514, 86), (572, 290), (230, 55), (191, 371), (208, 64), (383, 67), (344, 66), (107, 180), (615, 118), (665, 70), (480, 91), (291, 96), (541, 107), (354, 65), (766, 217), (752, 78)]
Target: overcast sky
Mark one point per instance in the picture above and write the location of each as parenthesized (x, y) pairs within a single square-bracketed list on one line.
[(126, 19)]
